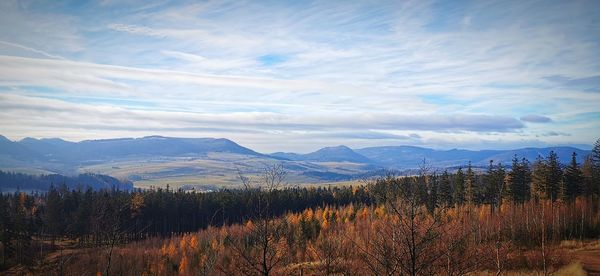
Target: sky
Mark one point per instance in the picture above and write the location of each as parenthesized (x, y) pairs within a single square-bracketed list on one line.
[(300, 75)]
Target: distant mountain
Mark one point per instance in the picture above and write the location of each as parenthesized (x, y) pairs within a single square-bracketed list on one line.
[(336, 154), (287, 156), (58, 150), (10, 182), (327, 154), (405, 157), (153, 159)]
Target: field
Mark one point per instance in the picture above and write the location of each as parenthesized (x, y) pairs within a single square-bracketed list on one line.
[(220, 170)]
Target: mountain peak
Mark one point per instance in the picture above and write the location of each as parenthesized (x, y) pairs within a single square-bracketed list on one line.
[(29, 140), (4, 139), (339, 153), (336, 148)]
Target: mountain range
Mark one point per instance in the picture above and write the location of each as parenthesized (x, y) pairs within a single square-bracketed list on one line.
[(138, 158)]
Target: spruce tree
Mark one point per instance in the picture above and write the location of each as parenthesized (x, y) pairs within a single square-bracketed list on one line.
[(526, 178), (595, 167), (572, 180), (497, 186), (596, 153), (459, 187), (555, 175), (511, 189), (470, 186), (445, 193), (518, 181), (540, 176)]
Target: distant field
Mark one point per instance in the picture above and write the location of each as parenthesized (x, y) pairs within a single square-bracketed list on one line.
[(219, 170)]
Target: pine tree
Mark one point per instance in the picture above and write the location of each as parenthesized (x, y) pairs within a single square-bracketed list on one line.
[(459, 187), (555, 175), (596, 153), (518, 181), (540, 175), (496, 186), (588, 178), (445, 193), (470, 186), (511, 188), (571, 185), (54, 212), (595, 167), (526, 178)]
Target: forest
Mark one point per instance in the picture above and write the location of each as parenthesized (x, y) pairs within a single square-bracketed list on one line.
[(505, 218)]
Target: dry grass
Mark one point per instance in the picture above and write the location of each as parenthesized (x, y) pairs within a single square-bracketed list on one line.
[(578, 245), (573, 269)]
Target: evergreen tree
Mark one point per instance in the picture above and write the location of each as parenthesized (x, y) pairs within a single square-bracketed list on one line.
[(572, 181), (432, 193), (495, 184), (511, 181), (596, 153), (589, 177), (526, 178), (54, 212), (540, 176), (554, 177), (498, 187), (445, 190), (459, 187), (595, 167), (470, 186), (518, 181)]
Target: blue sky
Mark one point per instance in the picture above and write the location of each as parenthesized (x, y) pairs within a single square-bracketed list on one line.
[(299, 75)]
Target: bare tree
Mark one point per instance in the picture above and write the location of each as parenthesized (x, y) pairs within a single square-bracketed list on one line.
[(407, 241), (258, 249)]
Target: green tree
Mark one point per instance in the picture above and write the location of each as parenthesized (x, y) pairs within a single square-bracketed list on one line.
[(555, 175), (445, 193), (459, 187), (495, 184), (54, 212), (571, 185), (470, 186), (596, 153), (518, 181), (540, 175)]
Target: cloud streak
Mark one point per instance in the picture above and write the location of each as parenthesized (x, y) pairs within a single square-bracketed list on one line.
[(536, 119), (362, 72)]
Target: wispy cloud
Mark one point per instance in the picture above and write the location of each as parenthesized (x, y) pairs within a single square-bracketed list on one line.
[(469, 74)]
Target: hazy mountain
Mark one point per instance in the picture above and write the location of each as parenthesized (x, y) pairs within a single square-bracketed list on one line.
[(10, 149), (157, 160), (335, 154), (410, 157), (96, 150)]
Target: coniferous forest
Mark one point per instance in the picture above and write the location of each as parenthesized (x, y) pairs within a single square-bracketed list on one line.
[(510, 217)]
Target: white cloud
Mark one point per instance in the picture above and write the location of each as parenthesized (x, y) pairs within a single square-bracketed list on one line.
[(355, 67)]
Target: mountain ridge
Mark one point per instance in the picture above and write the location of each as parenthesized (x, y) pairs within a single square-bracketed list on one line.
[(158, 157)]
